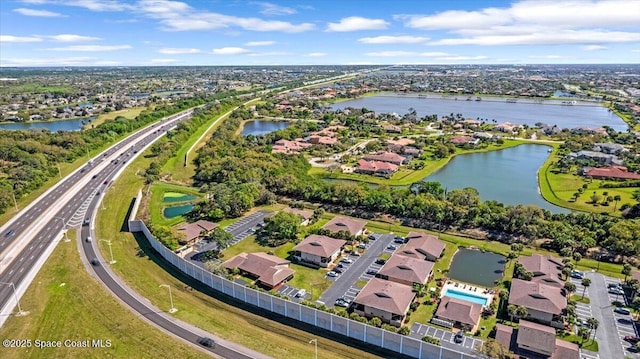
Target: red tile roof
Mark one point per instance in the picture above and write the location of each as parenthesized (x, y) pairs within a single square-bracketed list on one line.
[(270, 270), (457, 310), (387, 296), (318, 245), (337, 224), (545, 269), (386, 157), (427, 244), (618, 172), (538, 296), (408, 269)]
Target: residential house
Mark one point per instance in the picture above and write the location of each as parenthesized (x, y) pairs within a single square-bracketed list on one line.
[(355, 227), (545, 269), (305, 214), (612, 172), (482, 135), (384, 299), (544, 302), (318, 250), (535, 341), (406, 270), (463, 314), (392, 129), (286, 146), (506, 127), (193, 232), (610, 148), (602, 158), (384, 156), (423, 246), (377, 168), (463, 140), (269, 271)]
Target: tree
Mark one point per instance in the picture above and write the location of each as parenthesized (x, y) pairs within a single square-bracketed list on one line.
[(617, 199), (522, 312), (512, 310), (583, 334), (626, 270), (569, 287), (419, 289), (586, 282), (593, 326), (220, 237), (279, 229), (577, 256), (494, 350), (566, 271)]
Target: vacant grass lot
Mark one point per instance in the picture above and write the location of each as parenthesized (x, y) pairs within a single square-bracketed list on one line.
[(65, 302), (144, 271), (129, 113)]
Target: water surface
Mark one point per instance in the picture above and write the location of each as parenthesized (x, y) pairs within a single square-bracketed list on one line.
[(257, 128), (176, 211), (476, 267), (73, 124)]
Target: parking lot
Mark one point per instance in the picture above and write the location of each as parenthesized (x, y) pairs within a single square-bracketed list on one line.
[(623, 322), (419, 330), (240, 230), (292, 292)]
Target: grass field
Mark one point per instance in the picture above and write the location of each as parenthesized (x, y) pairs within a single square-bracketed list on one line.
[(143, 270), (558, 188), (129, 113), (65, 302), (406, 176)]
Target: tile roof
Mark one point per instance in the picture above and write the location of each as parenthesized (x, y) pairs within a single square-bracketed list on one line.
[(387, 296), (270, 270), (427, 244), (545, 269), (318, 245), (538, 296), (537, 336), (193, 230), (407, 269), (350, 225), (457, 310), (305, 213)]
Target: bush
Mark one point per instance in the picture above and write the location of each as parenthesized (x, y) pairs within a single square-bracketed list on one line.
[(404, 330), (431, 340)]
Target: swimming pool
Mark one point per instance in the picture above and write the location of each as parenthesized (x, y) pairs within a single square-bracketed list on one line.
[(452, 293)]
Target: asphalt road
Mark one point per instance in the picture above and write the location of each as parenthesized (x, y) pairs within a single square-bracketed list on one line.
[(602, 310), (39, 216)]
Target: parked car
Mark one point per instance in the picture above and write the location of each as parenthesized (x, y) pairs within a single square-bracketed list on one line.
[(355, 254), (346, 260), (458, 337), (633, 349), (342, 302), (392, 247), (632, 339), (380, 261), (614, 285), (582, 323), (398, 239), (372, 272), (332, 274), (372, 237), (616, 290), (622, 310), (301, 293), (337, 270), (577, 274), (362, 245)]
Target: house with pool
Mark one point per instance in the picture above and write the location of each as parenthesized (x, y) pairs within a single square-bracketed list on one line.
[(461, 306)]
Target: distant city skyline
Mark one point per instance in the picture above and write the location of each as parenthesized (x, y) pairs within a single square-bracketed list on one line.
[(328, 32)]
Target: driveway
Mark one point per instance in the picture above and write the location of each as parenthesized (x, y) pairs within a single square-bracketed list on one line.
[(602, 309), (344, 284), (468, 345)]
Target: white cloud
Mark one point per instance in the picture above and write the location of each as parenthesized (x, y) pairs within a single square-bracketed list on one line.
[(316, 54), (270, 9), (259, 43), (270, 53), (391, 54), (11, 38), (593, 47), (462, 58), (48, 61), (97, 5), (230, 51), (37, 13), (91, 48), (73, 38), (163, 61), (178, 51), (547, 57), (393, 40), (535, 22), (356, 23)]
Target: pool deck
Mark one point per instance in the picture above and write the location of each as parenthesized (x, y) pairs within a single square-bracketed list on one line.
[(469, 289)]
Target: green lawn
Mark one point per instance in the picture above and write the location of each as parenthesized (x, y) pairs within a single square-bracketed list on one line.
[(65, 302), (406, 176), (142, 269), (130, 113)]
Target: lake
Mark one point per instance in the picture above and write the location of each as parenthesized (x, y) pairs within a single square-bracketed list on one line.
[(524, 111), (508, 176), (258, 128), (477, 267), (74, 124)]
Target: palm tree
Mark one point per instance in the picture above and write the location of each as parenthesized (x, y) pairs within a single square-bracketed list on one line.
[(570, 288), (419, 289), (626, 270), (512, 310), (521, 312), (593, 326), (617, 199), (586, 282), (583, 334)]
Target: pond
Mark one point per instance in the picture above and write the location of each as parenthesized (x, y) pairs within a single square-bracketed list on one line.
[(258, 128), (177, 197), (509, 176), (524, 111), (477, 267), (74, 124), (175, 211)]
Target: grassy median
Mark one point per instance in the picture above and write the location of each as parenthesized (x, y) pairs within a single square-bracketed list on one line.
[(64, 302)]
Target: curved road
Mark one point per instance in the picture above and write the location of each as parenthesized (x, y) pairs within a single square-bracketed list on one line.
[(29, 237)]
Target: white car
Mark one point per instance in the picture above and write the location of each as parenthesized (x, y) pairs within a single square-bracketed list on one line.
[(346, 260), (332, 274)]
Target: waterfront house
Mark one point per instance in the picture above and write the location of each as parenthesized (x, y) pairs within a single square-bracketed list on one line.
[(384, 156), (423, 246), (612, 172), (377, 168), (545, 269)]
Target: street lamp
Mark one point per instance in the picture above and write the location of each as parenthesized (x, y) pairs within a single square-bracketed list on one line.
[(15, 293), (172, 309), (315, 342), (113, 261), (66, 232)]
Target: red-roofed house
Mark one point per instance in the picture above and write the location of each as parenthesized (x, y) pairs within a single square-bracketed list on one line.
[(613, 172), (384, 299), (545, 269), (194, 231), (269, 271), (376, 168), (318, 250), (390, 157), (532, 340), (406, 270), (462, 140)]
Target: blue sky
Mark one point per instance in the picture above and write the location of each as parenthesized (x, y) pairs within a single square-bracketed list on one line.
[(234, 32)]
